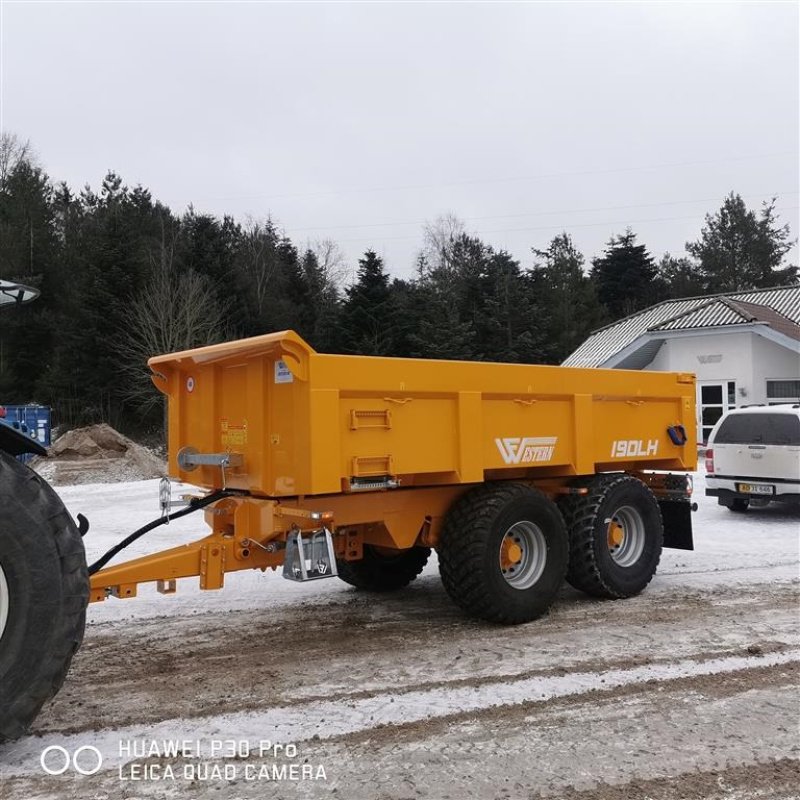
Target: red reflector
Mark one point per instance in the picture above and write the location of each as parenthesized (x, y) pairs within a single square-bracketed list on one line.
[(710, 462), (3, 412)]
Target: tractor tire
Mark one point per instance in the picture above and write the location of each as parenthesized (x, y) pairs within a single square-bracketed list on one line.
[(380, 572), (44, 590), (503, 553), (616, 536)]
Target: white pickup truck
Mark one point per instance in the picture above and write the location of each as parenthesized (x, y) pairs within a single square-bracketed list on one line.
[(753, 457)]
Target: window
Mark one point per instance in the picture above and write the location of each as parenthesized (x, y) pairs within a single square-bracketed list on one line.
[(760, 429), (783, 391)]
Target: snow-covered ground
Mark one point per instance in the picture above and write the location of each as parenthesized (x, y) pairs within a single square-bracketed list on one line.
[(689, 690), (762, 544)]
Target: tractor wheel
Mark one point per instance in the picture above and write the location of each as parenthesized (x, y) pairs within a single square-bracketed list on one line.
[(616, 535), (503, 552), (383, 570), (44, 589)]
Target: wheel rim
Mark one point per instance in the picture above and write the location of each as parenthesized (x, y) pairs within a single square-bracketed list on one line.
[(4, 601), (626, 536), (523, 553)]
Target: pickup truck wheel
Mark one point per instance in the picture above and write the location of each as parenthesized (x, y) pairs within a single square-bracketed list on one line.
[(380, 571), (616, 535), (503, 552), (738, 504), (44, 589)]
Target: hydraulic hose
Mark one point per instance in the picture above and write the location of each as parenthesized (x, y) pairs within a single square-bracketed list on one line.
[(195, 504)]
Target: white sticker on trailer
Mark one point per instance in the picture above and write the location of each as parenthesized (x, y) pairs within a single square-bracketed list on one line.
[(632, 448), (282, 373), (526, 449)]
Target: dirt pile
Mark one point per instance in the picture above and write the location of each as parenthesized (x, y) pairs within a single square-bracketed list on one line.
[(97, 454)]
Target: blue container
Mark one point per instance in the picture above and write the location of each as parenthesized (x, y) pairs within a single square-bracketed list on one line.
[(33, 421)]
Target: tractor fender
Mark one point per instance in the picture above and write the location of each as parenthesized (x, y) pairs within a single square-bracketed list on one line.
[(16, 443)]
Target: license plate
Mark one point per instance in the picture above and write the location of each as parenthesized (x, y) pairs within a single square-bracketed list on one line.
[(756, 488)]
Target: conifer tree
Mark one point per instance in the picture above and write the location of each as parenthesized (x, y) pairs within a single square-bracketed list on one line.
[(738, 249), (570, 309), (681, 277), (624, 276), (367, 325)]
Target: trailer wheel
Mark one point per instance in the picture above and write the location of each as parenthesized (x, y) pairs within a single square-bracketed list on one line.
[(382, 571), (503, 552), (44, 589), (616, 535)]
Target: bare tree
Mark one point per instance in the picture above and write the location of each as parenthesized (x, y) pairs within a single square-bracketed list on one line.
[(175, 311), (13, 151), (439, 237), (259, 263), (331, 261)]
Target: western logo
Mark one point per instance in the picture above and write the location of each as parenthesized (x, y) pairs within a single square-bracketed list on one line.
[(527, 449)]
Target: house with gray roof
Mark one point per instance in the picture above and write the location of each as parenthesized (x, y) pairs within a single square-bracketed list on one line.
[(744, 347)]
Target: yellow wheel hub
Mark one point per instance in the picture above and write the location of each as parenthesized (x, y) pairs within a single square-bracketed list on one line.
[(616, 533), (510, 553)]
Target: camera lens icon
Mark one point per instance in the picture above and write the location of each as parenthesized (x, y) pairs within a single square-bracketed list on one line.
[(85, 760)]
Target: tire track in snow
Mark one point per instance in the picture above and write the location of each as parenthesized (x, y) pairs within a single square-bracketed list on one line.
[(328, 719)]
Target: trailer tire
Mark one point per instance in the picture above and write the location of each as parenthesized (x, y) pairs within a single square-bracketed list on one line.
[(477, 568), (44, 590), (380, 572), (616, 536)]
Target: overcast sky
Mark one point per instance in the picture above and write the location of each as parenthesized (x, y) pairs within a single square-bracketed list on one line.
[(358, 122)]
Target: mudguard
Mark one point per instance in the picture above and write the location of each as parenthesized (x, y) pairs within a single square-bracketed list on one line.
[(677, 516)]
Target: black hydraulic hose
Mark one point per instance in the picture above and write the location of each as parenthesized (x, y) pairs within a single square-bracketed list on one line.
[(195, 504)]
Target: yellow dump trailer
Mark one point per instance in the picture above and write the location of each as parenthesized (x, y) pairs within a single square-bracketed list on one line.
[(356, 467)]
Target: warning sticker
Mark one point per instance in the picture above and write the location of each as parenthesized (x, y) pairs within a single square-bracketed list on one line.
[(282, 373), (233, 435)]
